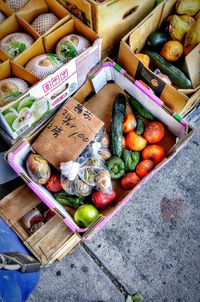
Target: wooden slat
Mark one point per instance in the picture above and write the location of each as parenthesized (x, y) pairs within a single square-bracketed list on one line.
[(16, 204), (49, 238)]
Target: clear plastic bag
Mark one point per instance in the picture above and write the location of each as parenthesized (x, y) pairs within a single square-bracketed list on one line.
[(89, 171)]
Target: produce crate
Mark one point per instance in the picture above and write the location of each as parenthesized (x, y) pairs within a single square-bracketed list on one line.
[(138, 37), (34, 8), (110, 19), (97, 95), (50, 92), (52, 241)]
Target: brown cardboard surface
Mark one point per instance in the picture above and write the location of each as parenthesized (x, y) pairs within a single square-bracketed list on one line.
[(68, 134), (192, 61), (127, 13)]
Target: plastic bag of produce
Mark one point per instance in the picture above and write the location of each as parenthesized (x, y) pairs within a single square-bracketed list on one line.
[(88, 171)]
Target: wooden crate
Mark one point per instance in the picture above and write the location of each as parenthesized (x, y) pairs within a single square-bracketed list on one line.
[(52, 241)]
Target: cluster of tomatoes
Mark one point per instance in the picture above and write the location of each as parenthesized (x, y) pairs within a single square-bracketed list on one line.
[(146, 143)]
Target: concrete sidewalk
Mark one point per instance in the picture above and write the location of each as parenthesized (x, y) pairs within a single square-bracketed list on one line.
[(151, 246)]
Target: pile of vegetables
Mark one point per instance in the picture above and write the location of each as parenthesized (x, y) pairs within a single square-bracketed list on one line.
[(134, 142), (84, 186), (166, 48), (84, 192)]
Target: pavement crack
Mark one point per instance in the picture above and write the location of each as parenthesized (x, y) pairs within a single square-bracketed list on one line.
[(98, 262)]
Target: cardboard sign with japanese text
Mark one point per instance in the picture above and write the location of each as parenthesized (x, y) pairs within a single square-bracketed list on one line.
[(68, 134)]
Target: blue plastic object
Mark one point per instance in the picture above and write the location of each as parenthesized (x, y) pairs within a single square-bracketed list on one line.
[(14, 286)]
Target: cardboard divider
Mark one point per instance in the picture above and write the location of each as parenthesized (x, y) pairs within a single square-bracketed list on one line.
[(6, 10), (10, 69), (11, 25), (136, 39), (36, 7)]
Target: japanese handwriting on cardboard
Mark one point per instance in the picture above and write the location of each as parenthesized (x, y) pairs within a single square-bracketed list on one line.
[(67, 135)]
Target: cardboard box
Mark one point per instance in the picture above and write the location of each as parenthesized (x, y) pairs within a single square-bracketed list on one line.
[(137, 39), (34, 8), (111, 20), (53, 90), (52, 241), (98, 94)]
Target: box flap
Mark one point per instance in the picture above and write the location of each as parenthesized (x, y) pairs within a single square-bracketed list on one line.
[(192, 61)]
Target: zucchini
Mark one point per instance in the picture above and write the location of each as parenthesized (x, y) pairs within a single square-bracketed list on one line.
[(177, 77), (136, 106), (157, 39), (116, 128)]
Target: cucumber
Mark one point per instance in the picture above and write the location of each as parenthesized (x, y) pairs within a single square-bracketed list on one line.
[(136, 106), (140, 124), (157, 39), (177, 77), (116, 128)]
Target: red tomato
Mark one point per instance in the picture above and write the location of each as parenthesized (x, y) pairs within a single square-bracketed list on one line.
[(130, 180), (154, 152), (54, 184), (129, 123), (144, 167), (102, 199), (154, 132)]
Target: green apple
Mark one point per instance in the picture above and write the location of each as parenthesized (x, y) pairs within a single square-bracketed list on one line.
[(85, 215)]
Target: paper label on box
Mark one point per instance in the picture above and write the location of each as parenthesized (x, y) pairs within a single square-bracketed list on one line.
[(67, 135), (151, 80)]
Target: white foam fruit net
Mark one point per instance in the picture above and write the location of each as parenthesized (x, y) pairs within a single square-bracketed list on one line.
[(43, 65), (16, 37), (16, 4), (21, 85), (44, 22), (70, 46)]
